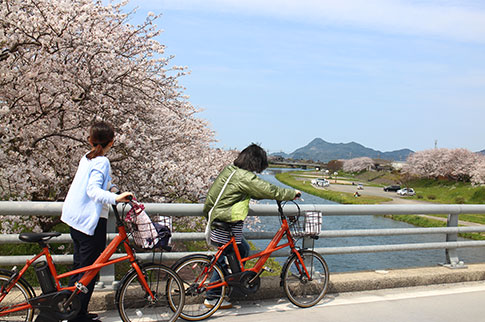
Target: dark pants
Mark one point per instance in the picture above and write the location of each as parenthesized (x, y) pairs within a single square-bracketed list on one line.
[(86, 250), (243, 251)]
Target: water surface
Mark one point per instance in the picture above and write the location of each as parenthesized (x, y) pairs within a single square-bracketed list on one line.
[(368, 261)]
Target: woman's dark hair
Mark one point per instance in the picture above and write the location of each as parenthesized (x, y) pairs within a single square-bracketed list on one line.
[(100, 135), (253, 158)]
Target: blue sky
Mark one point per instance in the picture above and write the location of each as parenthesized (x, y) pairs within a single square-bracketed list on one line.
[(386, 74)]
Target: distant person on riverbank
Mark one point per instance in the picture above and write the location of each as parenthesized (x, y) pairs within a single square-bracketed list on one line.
[(228, 201)]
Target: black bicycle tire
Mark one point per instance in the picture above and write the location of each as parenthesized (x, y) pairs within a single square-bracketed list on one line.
[(205, 259), (130, 276), (285, 275), (26, 289)]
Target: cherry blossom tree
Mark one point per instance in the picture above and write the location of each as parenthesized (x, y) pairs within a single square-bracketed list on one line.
[(67, 63), (358, 164), (478, 172), (454, 164)]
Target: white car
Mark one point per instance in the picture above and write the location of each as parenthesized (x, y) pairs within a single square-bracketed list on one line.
[(322, 182), (406, 192)]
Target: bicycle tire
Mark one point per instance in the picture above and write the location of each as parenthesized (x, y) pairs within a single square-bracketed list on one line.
[(20, 293), (299, 290), (134, 303), (188, 270)]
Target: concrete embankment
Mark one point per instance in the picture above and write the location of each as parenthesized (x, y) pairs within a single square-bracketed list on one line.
[(348, 282)]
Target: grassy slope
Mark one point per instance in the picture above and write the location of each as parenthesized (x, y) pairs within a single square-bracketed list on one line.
[(438, 191), (340, 197)]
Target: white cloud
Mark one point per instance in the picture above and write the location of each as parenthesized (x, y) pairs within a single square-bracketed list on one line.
[(450, 19)]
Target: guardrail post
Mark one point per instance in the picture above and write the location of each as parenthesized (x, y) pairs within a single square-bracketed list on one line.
[(107, 273), (452, 260)]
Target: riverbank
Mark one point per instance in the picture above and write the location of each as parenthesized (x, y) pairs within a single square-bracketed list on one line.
[(342, 191), (336, 196)]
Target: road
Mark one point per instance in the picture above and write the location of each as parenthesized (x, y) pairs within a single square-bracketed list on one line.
[(374, 191), (396, 199), (436, 303)]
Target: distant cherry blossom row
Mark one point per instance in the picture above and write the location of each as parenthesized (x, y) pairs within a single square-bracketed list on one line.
[(454, 164)]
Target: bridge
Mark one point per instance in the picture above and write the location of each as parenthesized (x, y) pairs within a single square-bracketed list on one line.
[(435, 303), (453, 273), (296, 164)]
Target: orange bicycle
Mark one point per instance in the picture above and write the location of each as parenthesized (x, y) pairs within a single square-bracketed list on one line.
[(140, 296), (304, 276)]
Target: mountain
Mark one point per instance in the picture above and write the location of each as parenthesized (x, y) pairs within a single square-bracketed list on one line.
[(320, 150)]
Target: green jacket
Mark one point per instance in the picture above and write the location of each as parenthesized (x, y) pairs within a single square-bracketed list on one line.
[(233, 203)]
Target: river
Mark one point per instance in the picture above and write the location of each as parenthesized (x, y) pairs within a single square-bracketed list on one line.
[(368, 261)]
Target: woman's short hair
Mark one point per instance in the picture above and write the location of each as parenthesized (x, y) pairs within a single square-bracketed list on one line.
[(253, 158)]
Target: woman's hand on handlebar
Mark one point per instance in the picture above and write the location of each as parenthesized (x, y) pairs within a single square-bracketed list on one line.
[(124, 197)]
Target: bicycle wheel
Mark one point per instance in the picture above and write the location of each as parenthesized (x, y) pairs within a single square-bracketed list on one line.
[(301, 290), (135, 304), (20, 293), (191, 271)]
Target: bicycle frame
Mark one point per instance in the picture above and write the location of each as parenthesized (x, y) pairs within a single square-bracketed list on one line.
[(90, 271), (262, 255)]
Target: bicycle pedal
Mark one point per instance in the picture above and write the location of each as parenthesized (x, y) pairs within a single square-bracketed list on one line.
[(81, 287)]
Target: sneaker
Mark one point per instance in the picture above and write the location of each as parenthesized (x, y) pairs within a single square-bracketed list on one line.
[(211, 303)]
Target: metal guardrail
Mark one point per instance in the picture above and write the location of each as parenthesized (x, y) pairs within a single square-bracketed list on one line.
[(450, 243)]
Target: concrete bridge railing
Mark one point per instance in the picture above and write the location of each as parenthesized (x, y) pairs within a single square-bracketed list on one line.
[(450, 243)]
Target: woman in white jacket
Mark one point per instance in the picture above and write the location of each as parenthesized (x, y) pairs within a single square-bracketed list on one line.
[(85, 209)]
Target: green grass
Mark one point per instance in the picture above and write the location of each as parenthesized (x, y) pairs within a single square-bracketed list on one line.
[(447, 192), (340, 197), (450, 192), (427, 222), (437, 191)]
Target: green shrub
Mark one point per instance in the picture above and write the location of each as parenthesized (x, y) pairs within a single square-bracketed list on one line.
[(459, 200), (478, 195), (431, 197)]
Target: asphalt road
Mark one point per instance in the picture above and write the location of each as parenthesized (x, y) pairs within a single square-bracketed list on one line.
[(436, 303), (373, 191)]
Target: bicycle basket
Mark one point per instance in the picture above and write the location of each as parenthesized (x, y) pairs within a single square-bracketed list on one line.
[(148, 232), (307, 224)]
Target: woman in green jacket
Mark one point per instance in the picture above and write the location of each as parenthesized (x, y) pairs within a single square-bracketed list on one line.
[(228, 201)]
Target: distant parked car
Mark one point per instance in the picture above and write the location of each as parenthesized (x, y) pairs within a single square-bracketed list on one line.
[(360, 186), (406, 192), (322, 182), (393, 187)]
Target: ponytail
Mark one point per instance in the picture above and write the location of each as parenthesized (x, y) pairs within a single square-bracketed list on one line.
[(95, 152), (100, 135)]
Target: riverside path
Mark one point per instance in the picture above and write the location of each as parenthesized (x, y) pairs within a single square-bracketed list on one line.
[(433, 303)]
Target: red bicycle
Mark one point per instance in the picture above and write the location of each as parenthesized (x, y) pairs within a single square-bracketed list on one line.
[(304, 276), (141, 295)]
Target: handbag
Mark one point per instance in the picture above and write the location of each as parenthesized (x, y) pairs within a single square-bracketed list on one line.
[(208, 226)]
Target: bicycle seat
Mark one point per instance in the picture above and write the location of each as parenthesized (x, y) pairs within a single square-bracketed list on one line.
[(37, 237), (227, 226)]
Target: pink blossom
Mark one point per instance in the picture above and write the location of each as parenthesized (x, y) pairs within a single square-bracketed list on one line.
[(64, 64)]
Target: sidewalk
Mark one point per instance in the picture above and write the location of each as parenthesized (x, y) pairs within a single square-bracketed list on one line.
[(346, 282)]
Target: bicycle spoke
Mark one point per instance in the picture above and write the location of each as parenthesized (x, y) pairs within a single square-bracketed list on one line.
[(306, 290)]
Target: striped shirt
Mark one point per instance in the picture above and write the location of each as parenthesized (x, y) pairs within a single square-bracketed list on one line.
[(221, 236)]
